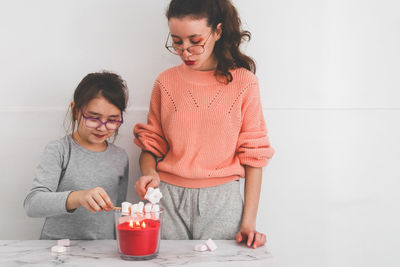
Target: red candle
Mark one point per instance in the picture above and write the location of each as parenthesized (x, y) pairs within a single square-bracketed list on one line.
[(138, 238)]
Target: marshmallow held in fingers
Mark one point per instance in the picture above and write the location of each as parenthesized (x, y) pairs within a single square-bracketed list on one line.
[(153, 195), (126, 208)]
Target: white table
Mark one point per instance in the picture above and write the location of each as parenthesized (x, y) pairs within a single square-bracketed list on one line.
[(104, 253)]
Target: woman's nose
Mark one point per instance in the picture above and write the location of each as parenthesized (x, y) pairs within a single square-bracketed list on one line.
[(186, 53)]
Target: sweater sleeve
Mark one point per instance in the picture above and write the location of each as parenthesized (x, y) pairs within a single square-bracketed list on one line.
[(43, 200), (253, 144), (150, 136)]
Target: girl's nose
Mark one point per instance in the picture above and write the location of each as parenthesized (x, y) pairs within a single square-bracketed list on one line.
[(102, 127)]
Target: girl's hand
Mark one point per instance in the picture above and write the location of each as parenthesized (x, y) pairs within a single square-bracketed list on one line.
[(252, 238), (95, 199), (146, 181)]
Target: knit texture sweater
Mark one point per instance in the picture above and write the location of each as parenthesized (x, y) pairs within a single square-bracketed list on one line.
[(66, 166), (203, 131)]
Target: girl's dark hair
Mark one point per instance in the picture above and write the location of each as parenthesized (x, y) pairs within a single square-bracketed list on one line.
[(106, 84), (227, 48)]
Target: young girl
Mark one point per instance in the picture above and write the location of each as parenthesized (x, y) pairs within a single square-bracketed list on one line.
[(205, 128), (82, 175)]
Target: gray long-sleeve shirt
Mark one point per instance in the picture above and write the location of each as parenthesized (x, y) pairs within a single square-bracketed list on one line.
[(84, 170)]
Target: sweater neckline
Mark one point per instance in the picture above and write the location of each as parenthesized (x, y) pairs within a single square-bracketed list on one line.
[(196, 76), (87, 151)]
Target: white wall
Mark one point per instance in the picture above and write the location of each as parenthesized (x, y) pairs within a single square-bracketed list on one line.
[(329, 76)]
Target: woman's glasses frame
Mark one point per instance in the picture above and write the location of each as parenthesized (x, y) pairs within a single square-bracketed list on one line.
[(176, 50)]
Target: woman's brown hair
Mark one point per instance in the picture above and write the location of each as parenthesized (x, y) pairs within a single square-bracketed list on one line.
[(227, 48)]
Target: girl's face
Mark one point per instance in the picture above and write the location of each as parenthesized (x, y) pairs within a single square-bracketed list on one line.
[(186, 32), (94, 138)]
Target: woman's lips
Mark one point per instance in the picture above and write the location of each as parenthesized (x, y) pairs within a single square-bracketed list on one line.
[(189, 62)]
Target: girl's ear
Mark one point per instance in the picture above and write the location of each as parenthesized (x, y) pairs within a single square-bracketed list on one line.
[(218, 31), (72, 105)]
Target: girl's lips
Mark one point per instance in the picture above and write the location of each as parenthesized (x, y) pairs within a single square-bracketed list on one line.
[(99, 135), (189, 62)]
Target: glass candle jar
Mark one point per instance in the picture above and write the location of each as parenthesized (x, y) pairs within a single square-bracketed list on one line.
[(138, 235)]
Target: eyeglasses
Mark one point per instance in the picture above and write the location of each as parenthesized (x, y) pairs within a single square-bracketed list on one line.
[(194, 49), (91, 122)]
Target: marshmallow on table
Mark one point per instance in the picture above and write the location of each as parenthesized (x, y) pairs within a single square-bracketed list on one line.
[(63, 242), (125, 208), (58, 249), (211, 245), (200, 247)]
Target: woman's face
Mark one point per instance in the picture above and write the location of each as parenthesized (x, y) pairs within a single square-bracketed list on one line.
[(94, 138), (186, 32)]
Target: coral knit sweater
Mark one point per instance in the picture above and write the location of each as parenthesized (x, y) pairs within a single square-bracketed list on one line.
[(204, 131)]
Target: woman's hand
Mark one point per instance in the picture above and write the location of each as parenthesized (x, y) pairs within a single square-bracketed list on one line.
[(252, 238), (146, 181)]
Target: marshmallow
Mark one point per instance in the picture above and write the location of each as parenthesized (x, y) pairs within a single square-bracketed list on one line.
[(150, 190), (211, 245), (58, 249), (200, 247), (147, 207), (63, 242), (153, 196), (140, 206), (125, 208), (155, 208), (134, 209), (147, 215)]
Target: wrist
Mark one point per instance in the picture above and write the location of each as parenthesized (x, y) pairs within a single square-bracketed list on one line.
[(152, 173), (72, 201), (248, 224)]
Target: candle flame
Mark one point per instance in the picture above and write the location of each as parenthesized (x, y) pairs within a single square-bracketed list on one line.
[(131, 224), (144, 225), (137, 223)]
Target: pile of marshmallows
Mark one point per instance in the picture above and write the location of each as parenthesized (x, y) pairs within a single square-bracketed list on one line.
[(140, 210), (208, 245)]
